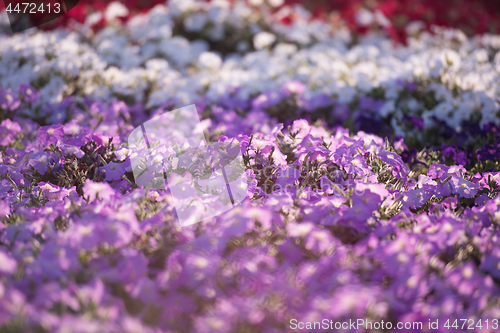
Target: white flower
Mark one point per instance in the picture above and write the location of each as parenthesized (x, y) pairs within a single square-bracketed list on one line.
[(480, 55), (263, 39), (101, 93), (364, 17), (388, 108), (53, 91), (195, 22), (276, 3), (157, 98), (123, 61), (381, 19), (346, 94), (242, 46), (427, 117), (216, 33), (115, 9), (157, 64), (177, 7), (298, 33), (93, 18), (285, 49), (496, 61), (442, 110), (453, 58), (414, 27), (209, 60), (256, 2)]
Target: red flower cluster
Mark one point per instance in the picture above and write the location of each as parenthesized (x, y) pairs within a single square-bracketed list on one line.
[(471, 16)]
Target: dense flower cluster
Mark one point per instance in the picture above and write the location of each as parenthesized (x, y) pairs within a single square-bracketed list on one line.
[(193, 51), (472, 16), (373, 175)]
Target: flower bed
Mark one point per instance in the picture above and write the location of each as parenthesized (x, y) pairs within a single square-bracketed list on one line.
[(472, 16), (372, 167)]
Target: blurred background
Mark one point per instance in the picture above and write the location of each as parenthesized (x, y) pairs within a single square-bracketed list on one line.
[(471, 16)]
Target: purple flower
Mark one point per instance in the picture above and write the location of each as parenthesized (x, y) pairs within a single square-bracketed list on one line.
[(104, 139), (437, 170), (318, 100), (491, 263), (90, 234), (299, 229), (93, 191), (5, 137), (80, 139), (8, 100), (181, 186), (320, 241), (293, 87), (54, 192), (8, 130), (91, 293), (69, 150), (463, 187), (114, 171), (4, 209), (29, 93), (356, 165), (416, 198), (369, 194), (464, 279), (14, 173), (56, 258), (481, 200), (40, 161), (351, 300), (213, 323), (291, 252), (10, 125), (287, 177), (368, 103), (488, 152), (199, 267), (176, 304), (47, 295), (23, 160), (267, 99), (7, 263), (50, 134), (411, 86), (400, 169)]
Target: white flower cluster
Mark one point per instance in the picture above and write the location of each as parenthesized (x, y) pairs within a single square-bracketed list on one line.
[(168, 54)]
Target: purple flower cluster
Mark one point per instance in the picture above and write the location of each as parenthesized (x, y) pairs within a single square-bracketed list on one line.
[(336, 225)]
